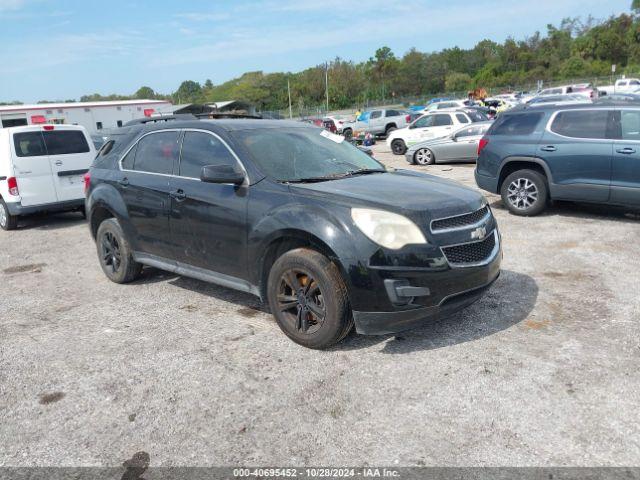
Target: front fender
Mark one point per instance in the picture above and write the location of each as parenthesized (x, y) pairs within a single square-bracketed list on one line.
[(303, 221)]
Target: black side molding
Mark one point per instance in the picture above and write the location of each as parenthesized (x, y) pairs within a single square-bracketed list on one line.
[(68, 173)]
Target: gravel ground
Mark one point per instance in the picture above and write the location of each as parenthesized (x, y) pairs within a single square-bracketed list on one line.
[(542, 371)]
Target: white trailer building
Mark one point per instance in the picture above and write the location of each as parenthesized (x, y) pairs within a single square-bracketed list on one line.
[(94, 116)]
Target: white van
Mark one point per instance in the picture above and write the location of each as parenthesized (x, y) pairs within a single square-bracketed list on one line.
[(42, 169)]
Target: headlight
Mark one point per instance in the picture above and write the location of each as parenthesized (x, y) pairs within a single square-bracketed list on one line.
[(387, 229)]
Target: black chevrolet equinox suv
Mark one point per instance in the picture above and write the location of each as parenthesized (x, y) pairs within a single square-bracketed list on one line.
[(295, 215)]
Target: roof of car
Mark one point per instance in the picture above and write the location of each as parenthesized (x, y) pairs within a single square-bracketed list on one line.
[(571, 105), (226, 124)]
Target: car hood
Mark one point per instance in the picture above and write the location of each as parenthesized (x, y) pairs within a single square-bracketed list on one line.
[(416, 194)]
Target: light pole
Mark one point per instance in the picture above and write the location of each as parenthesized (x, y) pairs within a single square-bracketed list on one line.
[(289, 91), (326, 83)]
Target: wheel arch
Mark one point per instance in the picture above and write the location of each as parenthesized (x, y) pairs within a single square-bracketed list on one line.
[(104, 202), (290, 239), (514, 164)]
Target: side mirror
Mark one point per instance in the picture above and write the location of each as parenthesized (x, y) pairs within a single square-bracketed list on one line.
[(222, 174), (454, 138)]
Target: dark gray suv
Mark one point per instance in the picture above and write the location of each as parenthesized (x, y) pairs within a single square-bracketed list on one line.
[(585, 153)]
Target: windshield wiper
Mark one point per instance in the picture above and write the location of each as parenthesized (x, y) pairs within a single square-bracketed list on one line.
[(366, 171), (318, 179)]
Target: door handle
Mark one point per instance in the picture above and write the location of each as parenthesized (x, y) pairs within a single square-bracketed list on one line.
[(124, 182), (58, 163), (626, 151), (178, 195), (548, 148)]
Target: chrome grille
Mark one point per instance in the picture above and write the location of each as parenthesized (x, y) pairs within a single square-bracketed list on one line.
[(470, 253), (460, 221)]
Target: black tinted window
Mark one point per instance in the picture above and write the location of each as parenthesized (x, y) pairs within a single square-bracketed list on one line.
[(65, 142), (29, 144), (200, 149), (582, 123), (376, 114), (523, 124), (157, 153), (462, 118), (442, 120)]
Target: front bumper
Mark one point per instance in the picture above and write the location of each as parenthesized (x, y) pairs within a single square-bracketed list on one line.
[(384, 323), (400, 298)]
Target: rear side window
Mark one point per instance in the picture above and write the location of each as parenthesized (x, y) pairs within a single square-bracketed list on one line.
[(462, 118), (442, 120), (127, 161), (630, 123), (200, 149), (65, 142), (524, 124), (29, 144), (157, 153), (582, 123)]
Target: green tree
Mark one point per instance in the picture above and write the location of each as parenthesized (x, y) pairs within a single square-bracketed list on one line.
[(145, 93), (189, 92), (457, 82)]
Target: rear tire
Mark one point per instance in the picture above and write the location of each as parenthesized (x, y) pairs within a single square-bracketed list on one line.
[(7, 221), (115, 254), (525, 193), (308, 298), (389, 129), (398, 147), (347, 133)]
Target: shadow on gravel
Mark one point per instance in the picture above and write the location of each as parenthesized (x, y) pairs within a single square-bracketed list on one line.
[(50, 221), (585, 211), (507, 303)]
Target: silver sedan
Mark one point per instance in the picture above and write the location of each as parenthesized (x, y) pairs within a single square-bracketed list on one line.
[(459, 146)]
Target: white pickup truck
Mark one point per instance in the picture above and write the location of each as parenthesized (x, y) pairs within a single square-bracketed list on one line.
[(624, 85)]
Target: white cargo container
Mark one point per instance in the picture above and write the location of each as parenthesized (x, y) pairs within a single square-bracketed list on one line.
[(93, 116)]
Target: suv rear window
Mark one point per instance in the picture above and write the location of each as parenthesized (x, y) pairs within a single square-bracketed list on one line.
[(65, 142), (582, 124), (523, 124)]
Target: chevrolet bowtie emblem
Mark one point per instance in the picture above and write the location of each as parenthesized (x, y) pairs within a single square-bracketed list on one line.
[(479, 233)]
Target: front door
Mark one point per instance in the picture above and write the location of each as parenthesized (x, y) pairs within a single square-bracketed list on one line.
[(144, 185), (578, 148), (465, 144), (625, 176), (70, 156), (32, 169), (208, 221)]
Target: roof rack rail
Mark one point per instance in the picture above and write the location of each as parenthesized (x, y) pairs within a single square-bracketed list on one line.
[(218, 115), (160, 118)]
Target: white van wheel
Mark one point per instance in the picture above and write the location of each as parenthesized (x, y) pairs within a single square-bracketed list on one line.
[(7, 221)]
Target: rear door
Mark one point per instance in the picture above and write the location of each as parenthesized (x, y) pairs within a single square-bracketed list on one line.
[(625, 174), (144, 186), (70, 154), (465, 144), (32, 169), (578, 148)]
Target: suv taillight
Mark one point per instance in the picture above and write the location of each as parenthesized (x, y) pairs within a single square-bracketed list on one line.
[(12, 183), (483, 143), (87, 182)]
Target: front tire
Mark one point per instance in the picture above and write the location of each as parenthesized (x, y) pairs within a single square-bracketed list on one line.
[(347, 133), (308, 298), (398, 147), (424, 156), (7, 221), (115, 254), (525, 193)]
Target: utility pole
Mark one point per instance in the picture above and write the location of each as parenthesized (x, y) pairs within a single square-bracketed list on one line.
[(289, 91), (326, 83)]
